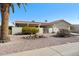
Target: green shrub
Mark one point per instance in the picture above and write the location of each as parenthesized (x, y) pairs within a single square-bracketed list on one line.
[(63, 33), (34, 30), (29, 30)]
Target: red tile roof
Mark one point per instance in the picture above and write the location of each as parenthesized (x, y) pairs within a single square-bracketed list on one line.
[(42, 23), (61, 20)]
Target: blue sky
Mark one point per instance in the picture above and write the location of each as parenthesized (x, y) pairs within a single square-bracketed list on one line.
[(47, 11)]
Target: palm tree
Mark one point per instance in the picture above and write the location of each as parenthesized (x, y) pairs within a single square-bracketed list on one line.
[(45, 20), (5, 12)]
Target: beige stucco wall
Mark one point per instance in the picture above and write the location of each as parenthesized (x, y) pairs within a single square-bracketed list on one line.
[(16, 30), (50, 30), (60, 25), (40, 31), (55, 29)]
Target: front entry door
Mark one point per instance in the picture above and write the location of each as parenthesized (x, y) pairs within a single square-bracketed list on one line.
[(45, 30)]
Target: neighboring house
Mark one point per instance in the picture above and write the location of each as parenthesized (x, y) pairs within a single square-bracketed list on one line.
[(75, 28), (44, 27)]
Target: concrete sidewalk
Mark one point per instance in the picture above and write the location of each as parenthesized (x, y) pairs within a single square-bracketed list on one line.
[(69, 49), (75, 34)]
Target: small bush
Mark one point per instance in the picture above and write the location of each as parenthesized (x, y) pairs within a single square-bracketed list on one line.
[(34, 30), (42, 36), (63, 33), (29, 30)]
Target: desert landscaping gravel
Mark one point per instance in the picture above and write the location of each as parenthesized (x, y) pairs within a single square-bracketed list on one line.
[(18, 43)]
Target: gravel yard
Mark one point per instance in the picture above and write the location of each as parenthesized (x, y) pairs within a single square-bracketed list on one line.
[(18, 44)]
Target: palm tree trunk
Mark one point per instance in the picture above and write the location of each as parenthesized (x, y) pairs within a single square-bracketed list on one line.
[(4, 23)]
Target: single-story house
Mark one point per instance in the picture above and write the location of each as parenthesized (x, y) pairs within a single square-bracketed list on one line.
[(61, 24), (44, 27)]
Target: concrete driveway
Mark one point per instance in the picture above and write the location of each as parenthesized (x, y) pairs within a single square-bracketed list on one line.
[(75, 34)]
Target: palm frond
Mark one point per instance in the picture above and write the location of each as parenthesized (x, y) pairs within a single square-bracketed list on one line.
[(12, 6), (0, 7), (24, 4), (19, 4)]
